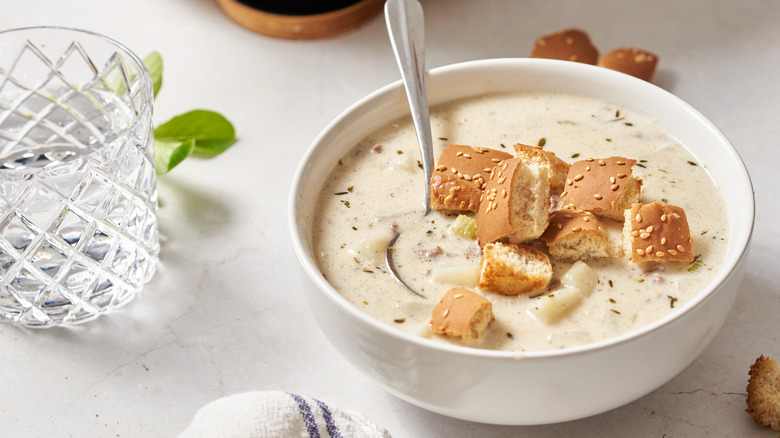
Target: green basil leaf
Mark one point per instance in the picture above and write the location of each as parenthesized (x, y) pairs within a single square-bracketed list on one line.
[(154, 64), (167, 154), (212, 132)]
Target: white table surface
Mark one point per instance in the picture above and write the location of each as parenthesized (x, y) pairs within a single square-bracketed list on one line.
[(223, 314)]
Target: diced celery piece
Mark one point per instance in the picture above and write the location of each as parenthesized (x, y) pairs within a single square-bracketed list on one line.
[(464, 226)]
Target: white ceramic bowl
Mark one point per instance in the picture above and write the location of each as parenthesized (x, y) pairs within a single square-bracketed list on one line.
[(524, 388)]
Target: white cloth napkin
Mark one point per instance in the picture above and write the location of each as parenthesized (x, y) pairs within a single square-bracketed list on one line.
[(277, 414)]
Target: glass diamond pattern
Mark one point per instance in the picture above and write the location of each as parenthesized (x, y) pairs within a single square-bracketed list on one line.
[(12, 92), (15, 124), (40, 206), (72, 228), (142, 270), (48, 258), (37, 105), (82, 312), (123, 295), (65, 180), (27, 285), (94, 124), (31, 69), (6, 262), (118, 206), (150, 238), (75, 65), (18, 234), (79, 279), (124, 257), (102, 294), (136, 270), (148, 181), (78, 195), (60, 119), (10, 189), (94, 193), (98, 246), (10, 307), (128, 166), (39, 133), (136, 221), (34, 317), (54, 304)]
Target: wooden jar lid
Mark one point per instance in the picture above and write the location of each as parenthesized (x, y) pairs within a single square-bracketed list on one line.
[(304, 26)]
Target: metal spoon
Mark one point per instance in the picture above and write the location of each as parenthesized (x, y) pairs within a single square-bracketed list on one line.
[(406, 27)]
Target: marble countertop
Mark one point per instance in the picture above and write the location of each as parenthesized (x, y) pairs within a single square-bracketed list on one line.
[(223, 315)]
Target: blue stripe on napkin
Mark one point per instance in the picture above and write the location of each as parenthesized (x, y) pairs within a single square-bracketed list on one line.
[(333, 430), (308, 417)]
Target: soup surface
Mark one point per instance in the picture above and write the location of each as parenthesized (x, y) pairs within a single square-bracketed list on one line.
[(376, 190)]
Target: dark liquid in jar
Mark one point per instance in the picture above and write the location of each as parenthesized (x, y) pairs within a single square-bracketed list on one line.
[(298, 7)]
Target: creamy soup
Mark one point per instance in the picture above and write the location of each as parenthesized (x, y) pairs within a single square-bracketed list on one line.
[(376, 191)]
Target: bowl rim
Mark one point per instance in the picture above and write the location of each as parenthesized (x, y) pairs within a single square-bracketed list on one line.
[(309, 265)]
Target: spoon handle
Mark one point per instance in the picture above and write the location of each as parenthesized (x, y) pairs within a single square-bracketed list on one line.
[(406, 27)]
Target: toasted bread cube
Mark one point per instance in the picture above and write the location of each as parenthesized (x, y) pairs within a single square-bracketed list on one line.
[(462, 313), (516, 203), (632, 61), (603, 186), (460, 175), (575, 235), (763, 392), (511, 269), (656, 232), (568, 45), (557, 168)]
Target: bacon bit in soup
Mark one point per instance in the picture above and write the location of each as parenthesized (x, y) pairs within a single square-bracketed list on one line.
[(473, 251), (430, 253)]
